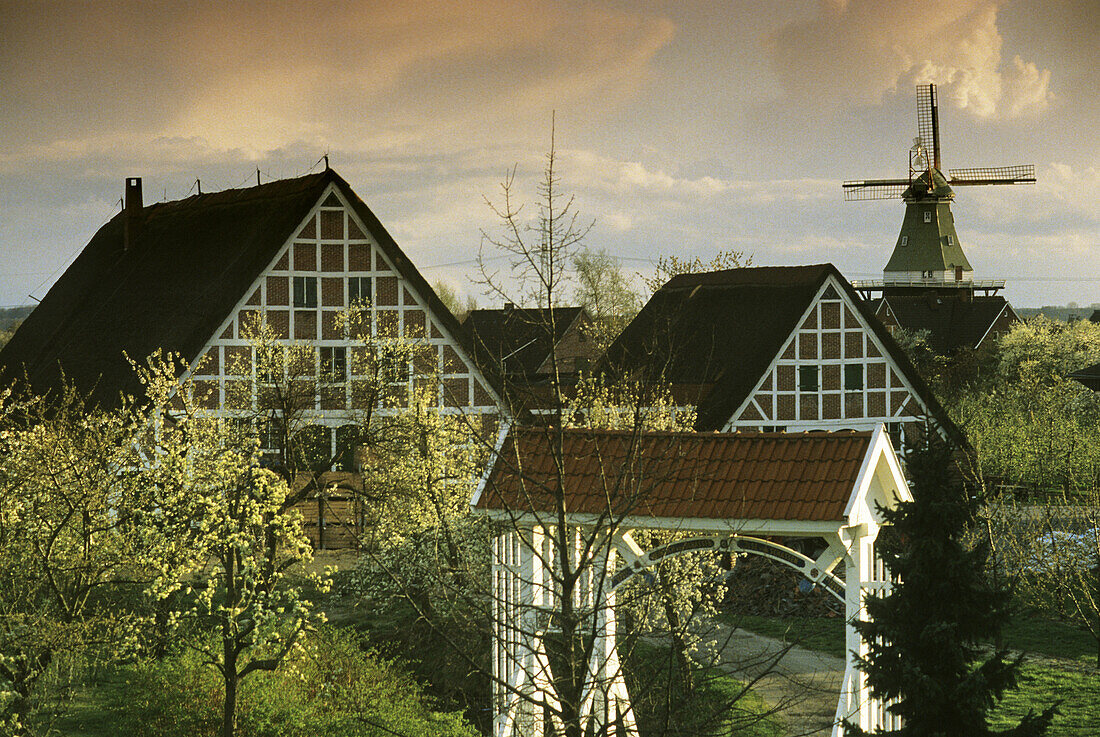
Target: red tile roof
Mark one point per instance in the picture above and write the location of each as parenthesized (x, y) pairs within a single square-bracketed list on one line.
[(770, 476)]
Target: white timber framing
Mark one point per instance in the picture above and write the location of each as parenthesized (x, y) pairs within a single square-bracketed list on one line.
[(832, 339), (333, 246), (524, 564)]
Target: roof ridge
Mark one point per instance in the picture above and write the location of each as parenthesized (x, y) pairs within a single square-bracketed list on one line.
[(270, 190), (704, 434)]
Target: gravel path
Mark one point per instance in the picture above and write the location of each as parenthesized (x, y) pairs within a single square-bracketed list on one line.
[(802, 684)]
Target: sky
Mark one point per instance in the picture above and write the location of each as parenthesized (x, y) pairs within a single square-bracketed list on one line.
[(682, 128)]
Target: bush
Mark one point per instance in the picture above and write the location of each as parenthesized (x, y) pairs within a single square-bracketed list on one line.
[(334, 687)]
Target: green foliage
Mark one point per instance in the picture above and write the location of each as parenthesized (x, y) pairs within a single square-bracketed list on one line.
[(1028, 424), (449, 296), (670, 266), (424, 576), (220, 536), (606, 293), (331, 687), (927, 638), (67, 538)]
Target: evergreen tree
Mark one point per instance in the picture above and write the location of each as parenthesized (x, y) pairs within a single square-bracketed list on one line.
[(929, 638)]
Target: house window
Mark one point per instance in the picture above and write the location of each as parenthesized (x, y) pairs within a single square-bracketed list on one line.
[(271, 434), (305, 291), (950, 240), (905, 240), (334, 364), (853, 377), (359, 290), (774, 428), (927, 216), (807, 378), (398, 370)]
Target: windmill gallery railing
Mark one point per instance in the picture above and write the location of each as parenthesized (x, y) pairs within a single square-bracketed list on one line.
[(863, 477)]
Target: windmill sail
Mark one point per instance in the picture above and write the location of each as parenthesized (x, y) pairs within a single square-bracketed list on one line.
[(1020, 174), (875, 189), (928, 121)]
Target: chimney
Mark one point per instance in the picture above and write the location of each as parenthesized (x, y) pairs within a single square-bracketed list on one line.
[(132, 213)]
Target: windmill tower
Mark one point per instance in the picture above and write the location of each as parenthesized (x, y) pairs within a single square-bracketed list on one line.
[(928, 257)]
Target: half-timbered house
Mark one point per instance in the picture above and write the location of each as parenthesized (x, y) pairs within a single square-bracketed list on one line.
[(188, 276), (776, 348)]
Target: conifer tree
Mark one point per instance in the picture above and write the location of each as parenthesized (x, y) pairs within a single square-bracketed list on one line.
[(929, 638)]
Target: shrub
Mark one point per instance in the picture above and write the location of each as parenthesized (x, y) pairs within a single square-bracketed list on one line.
[(334, 687)]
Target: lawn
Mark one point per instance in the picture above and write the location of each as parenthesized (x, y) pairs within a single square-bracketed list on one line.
[(1060, 665), (813, 633), (1043, 683)]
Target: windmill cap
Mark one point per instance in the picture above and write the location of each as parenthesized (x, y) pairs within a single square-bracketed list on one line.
[(919, 189)]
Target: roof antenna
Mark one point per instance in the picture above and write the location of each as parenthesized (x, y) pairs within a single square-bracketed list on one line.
[(198, 186), (325, 157), (257, 176)]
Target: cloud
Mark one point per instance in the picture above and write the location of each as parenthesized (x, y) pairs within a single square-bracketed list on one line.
[(861, 50), (353, 75)]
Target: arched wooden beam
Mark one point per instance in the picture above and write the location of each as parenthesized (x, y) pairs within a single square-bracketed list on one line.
[(735, 544)]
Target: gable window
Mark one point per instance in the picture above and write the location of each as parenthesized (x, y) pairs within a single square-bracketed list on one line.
[(807, 379), (905, 240), (334, 364), (397, 369), (927, 216), (305, 291), (950, 240), (853, 377), (271, 434), (359, 290)]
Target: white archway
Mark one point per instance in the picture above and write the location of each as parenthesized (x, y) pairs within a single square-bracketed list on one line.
[(524, 563)]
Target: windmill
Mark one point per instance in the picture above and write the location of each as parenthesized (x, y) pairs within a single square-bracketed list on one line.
[(928, 255)]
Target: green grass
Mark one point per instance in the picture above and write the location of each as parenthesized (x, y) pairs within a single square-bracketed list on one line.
[(720, 706), (813, 633), (1030, 635), (1038, 636), (87, 714), (1040, 685), (1070, 675)]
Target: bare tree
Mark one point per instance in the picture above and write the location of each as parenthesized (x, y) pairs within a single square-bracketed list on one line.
[(563, 627)]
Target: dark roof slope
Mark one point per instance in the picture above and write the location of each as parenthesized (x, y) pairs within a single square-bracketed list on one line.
[(721, 325), (775, 476), (726, 327), (518, 338), (952, 323), (192, 262), (1089, 376)]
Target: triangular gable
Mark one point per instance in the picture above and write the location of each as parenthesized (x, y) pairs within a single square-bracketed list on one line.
[(196, 265), (881, 484), (180, 276), (835, 330), (335, 245)]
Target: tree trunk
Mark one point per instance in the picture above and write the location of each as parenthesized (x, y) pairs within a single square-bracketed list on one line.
[(229, 711), (1096, 598)]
